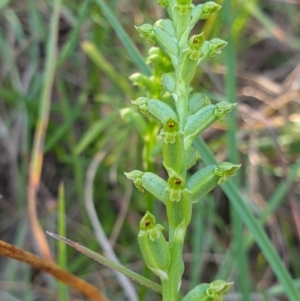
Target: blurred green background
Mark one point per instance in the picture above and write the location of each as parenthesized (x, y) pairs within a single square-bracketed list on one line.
[(97, 52)]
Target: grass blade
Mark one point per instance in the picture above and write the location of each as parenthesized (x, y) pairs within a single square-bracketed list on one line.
[(103, 260), (254, 226), (125, 39)]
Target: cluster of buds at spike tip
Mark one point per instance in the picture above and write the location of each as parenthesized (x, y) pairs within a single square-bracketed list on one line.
[(154, 246), (208, 292), (174, 62)]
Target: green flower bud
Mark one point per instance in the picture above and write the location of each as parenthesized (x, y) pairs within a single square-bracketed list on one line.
[(163, 3), (175, 188), (183, 6), (215, 46), (173, 154), (198, 293), (170, 131), (204, 118), (207, 178), (181, 14), (156, 108), (151, 182), (160, 61), (203, 11), (195, 43), (208, 292), (154, 246), (191, 157), (190, 58), (179, 211), (146, 32), (198, 101), (136, 177), (142, 81), (128, 115), (225, 170), (168, 81), (211, 48)]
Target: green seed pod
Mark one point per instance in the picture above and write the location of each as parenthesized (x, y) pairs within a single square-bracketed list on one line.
[(207, 178), (191, 157), (151, 182), (198, 101), (204, 118), (157, 108), (179, 211), (146, 32), (155, 185), (203, 11), (154, 246), (176, 247), (173, 154), (208, 292), (166, 25), (190, 58), (168, 81), (165, 42)]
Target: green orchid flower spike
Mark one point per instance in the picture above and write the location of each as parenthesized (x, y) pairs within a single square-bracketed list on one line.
[(171, 105)]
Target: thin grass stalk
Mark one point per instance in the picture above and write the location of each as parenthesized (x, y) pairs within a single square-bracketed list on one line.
[(241, 264), (98, 230), (37, 154), (123, 36), (62, 252), (73, 37)]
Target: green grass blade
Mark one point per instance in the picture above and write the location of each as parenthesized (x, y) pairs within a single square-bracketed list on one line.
[(254, 226), (92, 133), (62, 253), (125, 39), (73, 38), (103, 260), (96, 56), (277, 196), (241, 264)]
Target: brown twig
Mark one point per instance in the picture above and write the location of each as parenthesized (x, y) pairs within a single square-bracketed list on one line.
[(82, 286)]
